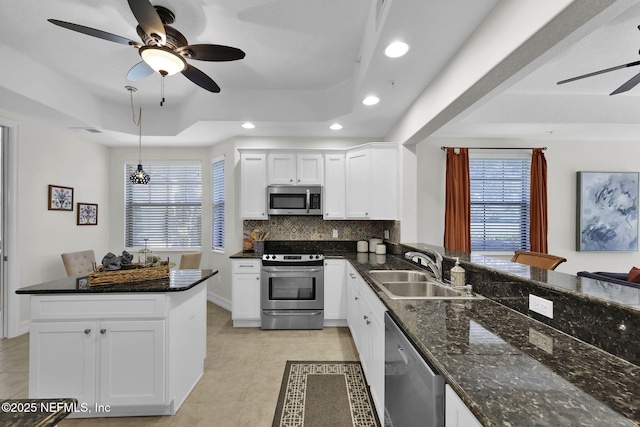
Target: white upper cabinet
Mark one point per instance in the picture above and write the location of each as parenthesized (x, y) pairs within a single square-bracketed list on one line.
[(334, 186), (295, 169), (253, 186), (372, 182)]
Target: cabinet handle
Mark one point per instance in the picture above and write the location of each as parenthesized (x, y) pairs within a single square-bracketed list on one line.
[(258, 278), (87, 331), (355, 298), (245, 266), (365, 317), (103, 331), (367, 322), (352, 276)]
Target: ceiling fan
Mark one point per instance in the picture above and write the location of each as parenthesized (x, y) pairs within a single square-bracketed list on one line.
[(629, 84), (163, 49)]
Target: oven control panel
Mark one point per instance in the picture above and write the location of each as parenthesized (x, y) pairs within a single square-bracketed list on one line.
[(292, 257)]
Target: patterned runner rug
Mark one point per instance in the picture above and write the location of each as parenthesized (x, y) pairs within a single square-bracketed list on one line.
[(321, 394)]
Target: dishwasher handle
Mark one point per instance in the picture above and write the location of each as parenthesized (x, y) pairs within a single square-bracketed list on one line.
[(404, 356)]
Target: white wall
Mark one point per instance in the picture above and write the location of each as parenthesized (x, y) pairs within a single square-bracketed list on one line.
[(51, 156), (564, 159)]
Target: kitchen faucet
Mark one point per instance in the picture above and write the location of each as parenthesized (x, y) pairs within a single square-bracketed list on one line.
[(434, 264)]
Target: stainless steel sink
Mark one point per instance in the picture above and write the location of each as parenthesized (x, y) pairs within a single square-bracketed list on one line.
[(411, 284), (383, 276), (419, 290)]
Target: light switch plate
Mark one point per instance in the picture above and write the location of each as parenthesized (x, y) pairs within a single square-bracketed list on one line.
[(541, 306), (335, 233), (386, 234)]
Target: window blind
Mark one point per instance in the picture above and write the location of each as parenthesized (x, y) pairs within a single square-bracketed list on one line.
[(499, 203), (167, 211), (218, 205)]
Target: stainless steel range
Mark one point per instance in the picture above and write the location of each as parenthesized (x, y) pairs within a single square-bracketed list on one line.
[(292, 291)]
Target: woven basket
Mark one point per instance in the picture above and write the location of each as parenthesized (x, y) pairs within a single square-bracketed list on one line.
[(125, 276)]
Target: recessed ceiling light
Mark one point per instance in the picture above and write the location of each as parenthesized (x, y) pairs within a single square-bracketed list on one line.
[(371, 100), (335, 126), (248, 125), (396, 49)]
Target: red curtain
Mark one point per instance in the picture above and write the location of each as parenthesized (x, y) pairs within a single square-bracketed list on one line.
[(457, 215), (538, 202)]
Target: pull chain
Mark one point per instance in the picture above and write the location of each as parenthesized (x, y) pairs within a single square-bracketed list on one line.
[(162, 89)]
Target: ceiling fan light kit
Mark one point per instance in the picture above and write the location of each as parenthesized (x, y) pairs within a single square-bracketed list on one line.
[(163, 48), (162, 60)]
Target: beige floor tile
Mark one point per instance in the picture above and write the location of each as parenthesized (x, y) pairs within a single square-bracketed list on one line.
[(117, 421), (257, 414), (208, 414), (222, 386), (14, 385)]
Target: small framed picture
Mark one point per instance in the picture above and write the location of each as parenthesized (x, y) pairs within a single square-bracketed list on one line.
[(60, 198), (87, 214)]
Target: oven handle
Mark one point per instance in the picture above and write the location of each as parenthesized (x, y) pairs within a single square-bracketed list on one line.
[(291, 270), (308, 200), (291, 313)]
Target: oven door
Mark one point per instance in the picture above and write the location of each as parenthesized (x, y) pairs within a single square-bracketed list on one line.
[(292, 288)]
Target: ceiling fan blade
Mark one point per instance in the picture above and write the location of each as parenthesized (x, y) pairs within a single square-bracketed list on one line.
[(211, 52), (139, 71), (595, 73), (629, 84), (149, 20), (93, 32), (200, 78)]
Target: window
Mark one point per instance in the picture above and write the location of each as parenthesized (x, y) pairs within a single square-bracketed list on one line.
[(499, 203), (218, 204), (167, 211)]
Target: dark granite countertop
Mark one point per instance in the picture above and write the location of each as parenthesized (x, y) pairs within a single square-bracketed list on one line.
[(35, 412), (179, 280), (508, 368)]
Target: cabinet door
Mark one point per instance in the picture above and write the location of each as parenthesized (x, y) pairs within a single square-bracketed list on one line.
[(456, 413), (131, 362), (335, 295), (246, 296), (358, 173), (334, 186), (282, 168), (253, 186), (62, 360), (353, 305), (384, 183), (310, 169)]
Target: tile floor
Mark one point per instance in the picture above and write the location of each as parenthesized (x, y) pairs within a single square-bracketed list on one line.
[(242, 373)]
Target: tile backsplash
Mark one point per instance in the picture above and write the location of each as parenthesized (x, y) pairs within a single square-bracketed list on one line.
[(315, 228)]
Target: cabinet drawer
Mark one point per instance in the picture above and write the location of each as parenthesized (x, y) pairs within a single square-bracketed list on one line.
[(117, 306), (247, 266)]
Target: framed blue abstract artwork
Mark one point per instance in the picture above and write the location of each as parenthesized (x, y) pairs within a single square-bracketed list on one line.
[(607, 213)]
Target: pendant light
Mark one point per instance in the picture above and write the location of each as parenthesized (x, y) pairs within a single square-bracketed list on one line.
[(139, 176)]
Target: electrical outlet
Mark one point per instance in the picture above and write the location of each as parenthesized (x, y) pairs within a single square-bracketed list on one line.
[(335, 233), (386, 234), (541, 306), (540, 340)]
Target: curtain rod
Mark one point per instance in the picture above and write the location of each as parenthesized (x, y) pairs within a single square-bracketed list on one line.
[(494, 148)]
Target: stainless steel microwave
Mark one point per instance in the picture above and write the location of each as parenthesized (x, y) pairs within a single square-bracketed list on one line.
[(294, 200)]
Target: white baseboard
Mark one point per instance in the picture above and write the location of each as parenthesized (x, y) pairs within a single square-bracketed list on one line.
[(218, 300)]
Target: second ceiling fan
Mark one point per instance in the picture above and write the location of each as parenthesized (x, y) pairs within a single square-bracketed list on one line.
[(163, 49)]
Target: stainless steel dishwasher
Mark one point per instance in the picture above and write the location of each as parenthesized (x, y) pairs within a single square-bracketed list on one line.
[(413, 393)]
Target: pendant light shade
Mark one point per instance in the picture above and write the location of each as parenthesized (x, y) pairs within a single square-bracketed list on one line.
[(139, 176)]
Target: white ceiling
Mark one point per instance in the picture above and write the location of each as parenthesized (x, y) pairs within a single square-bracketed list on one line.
[(533, 106), (308, 64)]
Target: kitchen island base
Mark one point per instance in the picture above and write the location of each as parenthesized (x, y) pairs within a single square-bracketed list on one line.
[(118, 354)]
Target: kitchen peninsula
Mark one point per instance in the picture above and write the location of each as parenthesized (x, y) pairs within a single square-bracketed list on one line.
[(122, 349), (507, 364)]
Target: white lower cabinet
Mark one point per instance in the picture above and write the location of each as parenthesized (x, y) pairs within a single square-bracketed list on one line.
[(118, 354), (456, 413), (245, 293), (366, 321), (335, 292)]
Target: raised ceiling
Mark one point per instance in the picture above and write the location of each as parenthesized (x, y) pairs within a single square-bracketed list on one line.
[(308, 64)]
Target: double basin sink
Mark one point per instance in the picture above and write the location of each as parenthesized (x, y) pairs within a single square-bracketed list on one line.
[(412, 284)]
